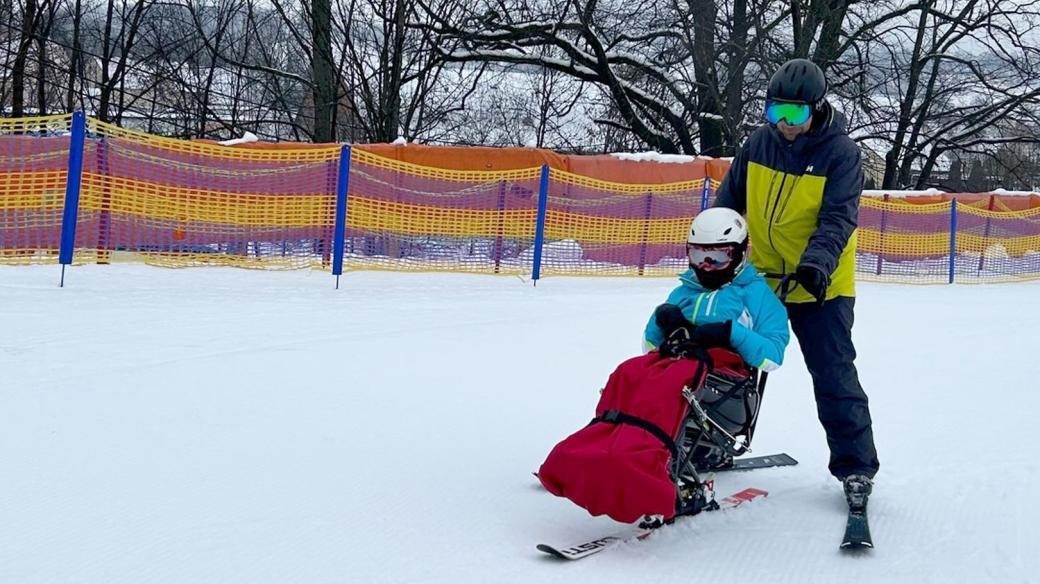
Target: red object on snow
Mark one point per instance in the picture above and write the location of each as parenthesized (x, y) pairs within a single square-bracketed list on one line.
[(620, 468)]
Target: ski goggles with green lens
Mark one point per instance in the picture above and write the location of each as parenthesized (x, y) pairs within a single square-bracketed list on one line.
[(795, 114)]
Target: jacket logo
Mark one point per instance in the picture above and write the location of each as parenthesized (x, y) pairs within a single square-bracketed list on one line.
[(808, 169)]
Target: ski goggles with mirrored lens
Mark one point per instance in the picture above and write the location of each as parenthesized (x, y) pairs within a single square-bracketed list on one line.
[(795, 114), (710, 258)]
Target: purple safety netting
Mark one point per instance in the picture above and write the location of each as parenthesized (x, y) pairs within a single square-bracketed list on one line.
[(32, 194), (401, 218)]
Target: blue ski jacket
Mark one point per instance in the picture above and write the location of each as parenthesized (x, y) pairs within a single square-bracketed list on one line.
[(760, 332)]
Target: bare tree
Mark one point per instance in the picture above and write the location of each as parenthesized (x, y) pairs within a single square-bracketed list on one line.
[(942, 77), (925, 84), (33, 20), (521, 105), (597, 50), (675, 73), (310, 24), (119, 35), (29, 17), (76, 57), (392, 81), (819, 23)]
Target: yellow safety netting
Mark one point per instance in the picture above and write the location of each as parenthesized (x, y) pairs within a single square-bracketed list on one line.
[(183, 203)]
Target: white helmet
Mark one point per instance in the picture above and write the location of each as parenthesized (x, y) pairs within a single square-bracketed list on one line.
[(717, 246), (717, 225)]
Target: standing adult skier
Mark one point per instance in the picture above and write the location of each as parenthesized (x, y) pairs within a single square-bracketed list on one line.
[(798, 179)]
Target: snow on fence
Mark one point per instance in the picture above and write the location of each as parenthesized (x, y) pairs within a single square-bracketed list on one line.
[(136, 197)]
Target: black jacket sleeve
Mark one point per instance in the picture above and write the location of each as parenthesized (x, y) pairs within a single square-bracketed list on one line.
[(732, 194), (839, 211)]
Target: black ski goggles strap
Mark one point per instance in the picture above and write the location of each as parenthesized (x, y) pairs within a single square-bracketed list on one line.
[(616, 417)]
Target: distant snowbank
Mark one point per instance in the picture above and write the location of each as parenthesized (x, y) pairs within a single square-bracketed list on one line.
[(665, 158), (246, 138), (931, 192)]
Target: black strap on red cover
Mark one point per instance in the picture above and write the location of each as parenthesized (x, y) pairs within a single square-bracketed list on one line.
[(616, 417)]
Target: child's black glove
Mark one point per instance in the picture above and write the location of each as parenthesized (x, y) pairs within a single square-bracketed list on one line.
[(676, 330), (669, 317), (712, 334), (683, 339)]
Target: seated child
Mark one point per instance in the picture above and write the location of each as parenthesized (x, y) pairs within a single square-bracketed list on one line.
[(629, 461), (722, 301)]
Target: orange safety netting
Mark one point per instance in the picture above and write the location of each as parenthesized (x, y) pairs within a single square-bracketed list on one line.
[(408, 207), (181, 203), (34, 155)]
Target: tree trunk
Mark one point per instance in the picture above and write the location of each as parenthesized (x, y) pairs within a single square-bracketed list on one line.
[(892, 158), (830, 16), (207, 88), (74, 61), (41, 34), (928, 168), (735, 81), (393, 61), (709, 120), (21, 57), (323, 73), (107, 50), (803, 28)]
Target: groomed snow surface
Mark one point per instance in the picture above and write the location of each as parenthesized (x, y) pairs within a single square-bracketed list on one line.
[(215, 425)]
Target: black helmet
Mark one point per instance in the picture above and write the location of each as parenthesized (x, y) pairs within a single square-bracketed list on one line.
[(798, 80)]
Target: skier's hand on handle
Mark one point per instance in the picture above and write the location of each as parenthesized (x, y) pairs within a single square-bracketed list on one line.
[(813, 280)]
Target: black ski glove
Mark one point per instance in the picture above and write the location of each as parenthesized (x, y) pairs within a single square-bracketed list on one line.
[(669, 317), (712, 334), (813, 280), (677, 331), (679, 344)]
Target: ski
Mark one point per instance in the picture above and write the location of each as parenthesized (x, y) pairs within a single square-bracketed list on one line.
[(857, 531), (751, 463), (757, 462), (586, 549)]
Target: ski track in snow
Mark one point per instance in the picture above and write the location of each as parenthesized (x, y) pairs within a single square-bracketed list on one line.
[(220, 425)]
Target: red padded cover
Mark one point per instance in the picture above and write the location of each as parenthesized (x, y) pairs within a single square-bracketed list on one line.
[(621, 470)]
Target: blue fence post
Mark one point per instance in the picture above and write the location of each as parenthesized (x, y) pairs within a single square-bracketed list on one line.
[(705, 191), (340, 237), (539, 230), (953, 238), (73, 181)]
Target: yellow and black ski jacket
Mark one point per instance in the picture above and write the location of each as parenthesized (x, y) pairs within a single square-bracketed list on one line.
[(801, 199)]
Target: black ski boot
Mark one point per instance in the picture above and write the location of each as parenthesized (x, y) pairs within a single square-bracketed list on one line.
[(857, 530), (715, 461), (857, 491), (694, 496)]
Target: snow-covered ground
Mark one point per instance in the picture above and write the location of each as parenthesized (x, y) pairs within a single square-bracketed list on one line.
[(216, 425)]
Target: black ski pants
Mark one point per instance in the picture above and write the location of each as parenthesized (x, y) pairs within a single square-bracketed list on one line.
[(825, 335)]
